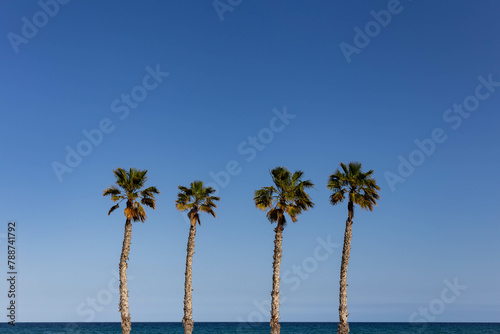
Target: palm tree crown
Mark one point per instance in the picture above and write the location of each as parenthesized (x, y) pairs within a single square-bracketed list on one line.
[(287, 196), (129, 185), (196, 198), (361, 187)]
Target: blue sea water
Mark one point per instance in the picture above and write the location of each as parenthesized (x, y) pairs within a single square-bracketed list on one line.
[(254, 328)]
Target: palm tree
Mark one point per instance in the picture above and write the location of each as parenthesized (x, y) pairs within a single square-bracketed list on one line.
[(362, 190), (288, 196), (196, 198), (128, 187)]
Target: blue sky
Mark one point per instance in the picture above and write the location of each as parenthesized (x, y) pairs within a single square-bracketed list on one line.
[(227, 82)]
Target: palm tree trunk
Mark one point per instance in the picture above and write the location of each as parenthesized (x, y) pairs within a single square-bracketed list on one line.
[(123, 306), (187, 321), (343, 327), (275, 294)]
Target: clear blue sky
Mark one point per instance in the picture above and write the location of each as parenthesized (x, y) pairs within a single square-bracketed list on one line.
[(225, 79)]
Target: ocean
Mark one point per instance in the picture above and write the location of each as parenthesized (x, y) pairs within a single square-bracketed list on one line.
[(254, 328)]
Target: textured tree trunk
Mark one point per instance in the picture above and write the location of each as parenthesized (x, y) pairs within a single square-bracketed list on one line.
[(343, 327), (123, 306), (275, 294), (187, 321)]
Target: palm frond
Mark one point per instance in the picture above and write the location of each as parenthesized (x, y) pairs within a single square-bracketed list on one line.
[(337, 197), (274, 215), (150, 192), (113, 208), (121, 178), (263, 197), (150, 202), (293, 211), (207, 209), (111, 190), (139, 213)]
